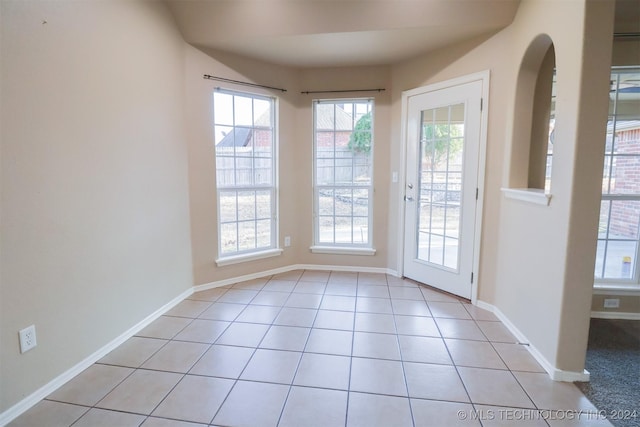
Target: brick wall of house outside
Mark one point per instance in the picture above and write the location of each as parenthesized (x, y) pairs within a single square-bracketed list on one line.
[(626, 214), (325, 140)]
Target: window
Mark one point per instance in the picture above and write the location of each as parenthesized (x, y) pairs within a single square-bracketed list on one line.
[(619, 227), (245, 173), (343, 164)]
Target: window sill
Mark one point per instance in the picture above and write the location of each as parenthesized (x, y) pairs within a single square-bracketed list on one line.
[(616, 289), (529, 195), (333, 250), (237, 259)]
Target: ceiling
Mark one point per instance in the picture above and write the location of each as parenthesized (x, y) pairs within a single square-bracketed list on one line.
[(330, 33)]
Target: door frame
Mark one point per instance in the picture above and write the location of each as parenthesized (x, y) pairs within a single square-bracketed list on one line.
[(482, 76)]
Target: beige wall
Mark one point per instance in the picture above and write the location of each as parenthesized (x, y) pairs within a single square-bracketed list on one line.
[(628, 304), (625, 52), (95, 214)]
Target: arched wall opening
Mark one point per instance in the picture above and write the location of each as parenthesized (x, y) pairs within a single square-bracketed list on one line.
[(534, 117)]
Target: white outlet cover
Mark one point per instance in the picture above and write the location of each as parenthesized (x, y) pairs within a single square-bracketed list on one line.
[(27, 338), (612, 303)]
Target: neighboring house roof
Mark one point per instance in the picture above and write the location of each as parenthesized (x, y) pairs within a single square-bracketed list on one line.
[(325, 118), (264, 120), (239, 137)]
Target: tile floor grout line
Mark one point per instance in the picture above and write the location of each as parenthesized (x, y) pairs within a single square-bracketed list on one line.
[(314, 387), (353, 327), (235, 382), (177, 382), (491, 343), (94, 406), (505, 364), (295, 373), (80, 417), (255, 349), (210, 345), (402, 361), (535, 405), (120, 411), (455, 366)]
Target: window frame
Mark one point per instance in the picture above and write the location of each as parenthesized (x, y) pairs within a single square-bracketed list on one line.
[(258, 252), (343, 248), (616, 283)]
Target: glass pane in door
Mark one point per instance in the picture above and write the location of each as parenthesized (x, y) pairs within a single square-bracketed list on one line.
[(440, 185)]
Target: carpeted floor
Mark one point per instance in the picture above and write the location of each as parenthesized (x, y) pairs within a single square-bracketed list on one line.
[(613, 359)]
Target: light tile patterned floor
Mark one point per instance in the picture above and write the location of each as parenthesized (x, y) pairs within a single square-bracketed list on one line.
[(315, 348)]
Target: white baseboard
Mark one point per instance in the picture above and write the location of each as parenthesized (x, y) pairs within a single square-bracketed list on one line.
[(347, 269), (280, 270), (615, 315), (232, 280), (19, 408), (555, 373)]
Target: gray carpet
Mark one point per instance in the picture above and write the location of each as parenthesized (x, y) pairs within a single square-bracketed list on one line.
[(613, 360)]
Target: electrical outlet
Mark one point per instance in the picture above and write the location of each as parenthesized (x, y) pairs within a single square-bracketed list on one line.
[(612, 303), (287, 241), (27, 338)]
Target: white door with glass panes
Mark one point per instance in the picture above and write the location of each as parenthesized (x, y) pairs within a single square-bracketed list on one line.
[(443, 147)]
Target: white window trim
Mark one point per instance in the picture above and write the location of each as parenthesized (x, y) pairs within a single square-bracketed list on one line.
[(245, 257), (274, 250), (337, 250), (618, 286), (342, 248), (631, 289)]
